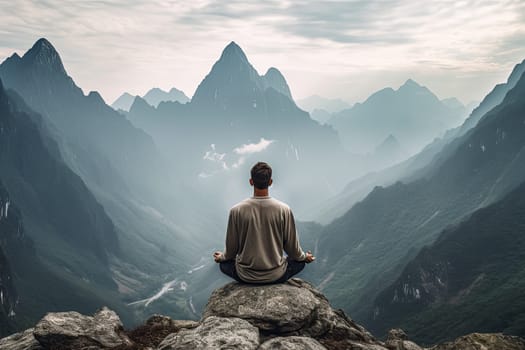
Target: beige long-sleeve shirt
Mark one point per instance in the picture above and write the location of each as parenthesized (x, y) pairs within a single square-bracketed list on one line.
[(259, 229)]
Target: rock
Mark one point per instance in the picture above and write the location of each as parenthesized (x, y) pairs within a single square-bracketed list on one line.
[(483, 341), (291, 343), (398, 340), (292, 308), (20, 341), (156, 328), (71, 330), (214, 333)]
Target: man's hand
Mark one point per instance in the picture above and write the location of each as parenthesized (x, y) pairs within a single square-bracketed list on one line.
[(309, 257), (217, 256)]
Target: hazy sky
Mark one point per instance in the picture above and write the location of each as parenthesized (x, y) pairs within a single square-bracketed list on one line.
[(345, 49)]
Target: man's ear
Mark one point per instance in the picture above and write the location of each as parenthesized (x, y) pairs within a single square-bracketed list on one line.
[(270, 182), (251, 182)]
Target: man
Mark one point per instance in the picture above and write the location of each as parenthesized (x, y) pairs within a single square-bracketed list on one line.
[(259, 229)]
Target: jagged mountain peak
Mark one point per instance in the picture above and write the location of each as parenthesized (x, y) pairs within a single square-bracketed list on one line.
[(410, 83), (44, 55), (275, 79), (232, 50)]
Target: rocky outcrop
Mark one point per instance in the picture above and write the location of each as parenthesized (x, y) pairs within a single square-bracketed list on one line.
[(291, 343), (289, 316), (294, 308), (398, 340), (215, 333), (480, 341)]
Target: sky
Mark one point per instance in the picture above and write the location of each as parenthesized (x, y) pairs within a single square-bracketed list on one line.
[(336, 49)]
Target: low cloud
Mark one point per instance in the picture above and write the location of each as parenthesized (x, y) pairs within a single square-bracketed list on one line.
[(233, 159), (253, 147)]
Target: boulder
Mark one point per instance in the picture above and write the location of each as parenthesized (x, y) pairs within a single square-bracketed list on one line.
[(71, 330), (483, 341), (156, 329), (21, 341), (398, 340), (288, 309), (291, 343), (214, 333)]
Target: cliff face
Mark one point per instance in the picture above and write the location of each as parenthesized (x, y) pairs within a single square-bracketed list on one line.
[(285, 316)]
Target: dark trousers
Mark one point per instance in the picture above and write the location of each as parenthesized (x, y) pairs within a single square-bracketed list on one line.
[(294, 267)]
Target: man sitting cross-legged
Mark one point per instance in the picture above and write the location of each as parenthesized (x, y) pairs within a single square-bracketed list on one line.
[(259, 229)]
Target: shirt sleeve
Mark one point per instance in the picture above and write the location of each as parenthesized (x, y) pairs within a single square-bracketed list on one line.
[(232, 239), (291, 241)]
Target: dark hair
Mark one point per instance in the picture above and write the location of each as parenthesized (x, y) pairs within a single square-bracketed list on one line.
[(261, 175)]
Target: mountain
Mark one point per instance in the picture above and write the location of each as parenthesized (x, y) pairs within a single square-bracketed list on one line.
[(321, 115), (123, 102), (330, 105), (101, 140), (412, 113), (120, 165), (494, 98), (453, 103), (368, 246), (56, 237), (155, 96), (9, 229), (389, 152), (475, 268), (232, 108)]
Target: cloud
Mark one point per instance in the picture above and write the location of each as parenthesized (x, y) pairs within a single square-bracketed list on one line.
[(253, 147), (233, 159), (320, 46)]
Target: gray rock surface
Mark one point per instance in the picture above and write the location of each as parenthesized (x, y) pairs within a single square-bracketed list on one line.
[(483, 341), (20, 341), (292, 308), (214, 333), (291, 343), (398, 340), (75, 331)]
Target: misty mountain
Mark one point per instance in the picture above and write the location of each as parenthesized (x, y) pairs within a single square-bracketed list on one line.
[(321, 115), (330, 105), (389, 152), (234, 107), (123, 102), (155, 96), (470, 279), (59, 255), (453, 103), (412, 113), (120, 165), (494, 98), (101, 140), (409, 170), (369, 245)]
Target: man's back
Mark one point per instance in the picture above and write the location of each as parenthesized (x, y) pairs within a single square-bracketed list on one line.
[(259, 228)]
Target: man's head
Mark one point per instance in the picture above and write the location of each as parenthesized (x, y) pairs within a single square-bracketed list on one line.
[(261, 175)]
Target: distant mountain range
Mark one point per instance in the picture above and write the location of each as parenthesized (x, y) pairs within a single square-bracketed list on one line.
[(413, 114), (153, 97), (321, 108), (370, 244), (475, 267), (235, 106)]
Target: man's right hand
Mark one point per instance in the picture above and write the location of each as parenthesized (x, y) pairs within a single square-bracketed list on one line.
[(309, 257), (217, 256)]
